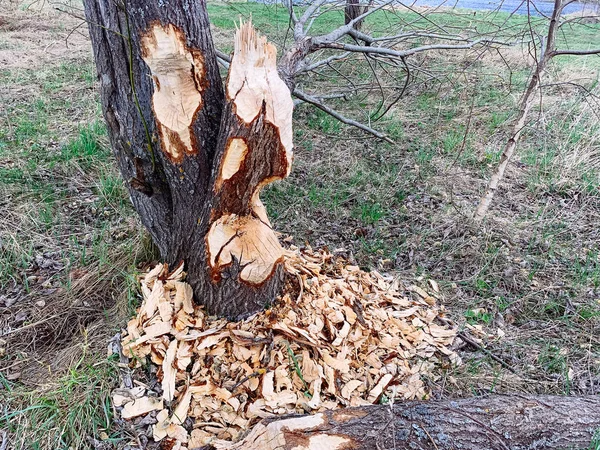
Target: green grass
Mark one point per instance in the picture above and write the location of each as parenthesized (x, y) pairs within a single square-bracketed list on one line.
[(369, 212), (86, 148), (473, 317), (76, 407), (63, 200), (555, 362), (112, 192), (14, 257), (595, 444), (321, 121)]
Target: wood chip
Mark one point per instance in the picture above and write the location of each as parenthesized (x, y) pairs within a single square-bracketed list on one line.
[(181, 411), (141, 406), (169, 372)]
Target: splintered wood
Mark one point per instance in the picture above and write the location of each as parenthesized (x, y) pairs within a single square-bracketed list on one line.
[(339, 337)]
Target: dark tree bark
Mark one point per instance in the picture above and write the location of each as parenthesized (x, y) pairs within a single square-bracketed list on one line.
[(352, 11), (194, 153), (483, 423)]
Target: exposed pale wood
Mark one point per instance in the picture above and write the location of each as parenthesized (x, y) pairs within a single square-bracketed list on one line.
[(306, 353), (248, 240), (141, 406), (254, 83), (233, 159), (181, 411), (256, 150), (169, 372), (178, 74)]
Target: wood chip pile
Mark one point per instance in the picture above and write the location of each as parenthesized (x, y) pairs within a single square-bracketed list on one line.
[(339, 337)]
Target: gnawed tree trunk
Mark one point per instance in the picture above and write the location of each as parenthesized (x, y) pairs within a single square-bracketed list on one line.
[(196, 154), (482, 423)]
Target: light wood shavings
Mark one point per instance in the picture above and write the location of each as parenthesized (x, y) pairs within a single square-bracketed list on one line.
[(169, 371), (344, 338), (141, 406), (123, 396)]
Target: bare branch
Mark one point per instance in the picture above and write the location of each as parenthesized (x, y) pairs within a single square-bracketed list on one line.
[(324, 62), (343, 95), (315, 101), (418, 34), (524, 108), (404, 53), (290, 7), (222, 62), (346, 29), (595, 51), (311, 10)]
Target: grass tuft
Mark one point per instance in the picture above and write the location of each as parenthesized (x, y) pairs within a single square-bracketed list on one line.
[(65, 414)]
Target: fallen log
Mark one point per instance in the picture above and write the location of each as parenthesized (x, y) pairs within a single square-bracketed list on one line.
[(500, 422)]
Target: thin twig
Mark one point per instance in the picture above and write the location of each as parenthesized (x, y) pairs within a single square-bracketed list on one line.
[(324, 62), (314, 101), (4, 440), (469, 340)]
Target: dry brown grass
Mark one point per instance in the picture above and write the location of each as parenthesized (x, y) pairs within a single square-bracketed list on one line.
[(68, 241)]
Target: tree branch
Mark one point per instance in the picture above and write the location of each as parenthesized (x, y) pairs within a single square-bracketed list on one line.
[(299, 26), (290, 7), (595, 51), (315, 101), (324, 62), (401, 53), (346, 29), (500, 422), (343, 95)]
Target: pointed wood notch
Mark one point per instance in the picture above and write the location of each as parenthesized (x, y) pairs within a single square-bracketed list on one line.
[(257, 150), (254, 83)]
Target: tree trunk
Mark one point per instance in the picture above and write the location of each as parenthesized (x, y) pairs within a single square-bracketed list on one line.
[(351, 11), (481, 423), (194, 154)]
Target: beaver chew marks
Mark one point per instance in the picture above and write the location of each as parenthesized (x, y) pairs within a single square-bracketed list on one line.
[(247, 239), (235, 153), (254, 81), (177, 72), (258, 151)]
